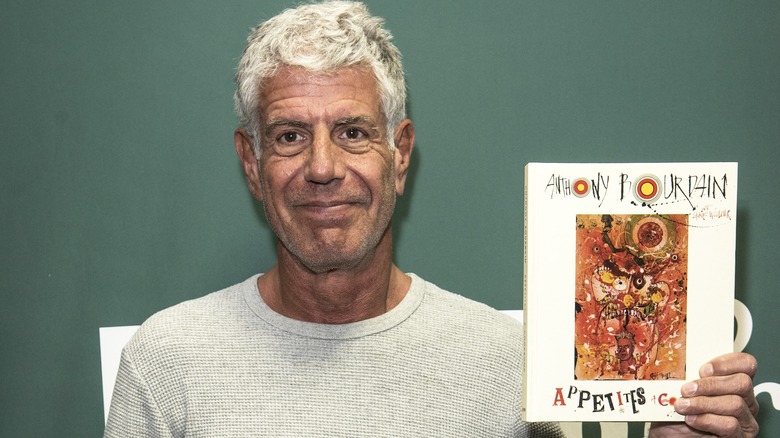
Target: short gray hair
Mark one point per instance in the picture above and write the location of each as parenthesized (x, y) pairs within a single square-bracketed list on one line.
[(320, 38)]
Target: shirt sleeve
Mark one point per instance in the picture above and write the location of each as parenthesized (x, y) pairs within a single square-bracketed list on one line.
[(134, 411)]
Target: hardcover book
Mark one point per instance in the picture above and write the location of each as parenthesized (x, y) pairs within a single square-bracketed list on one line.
[(629, 285)]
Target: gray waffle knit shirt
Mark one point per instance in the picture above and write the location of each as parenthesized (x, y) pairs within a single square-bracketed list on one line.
[(226, 365)]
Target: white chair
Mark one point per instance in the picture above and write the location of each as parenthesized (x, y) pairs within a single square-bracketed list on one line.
[(112, 341)]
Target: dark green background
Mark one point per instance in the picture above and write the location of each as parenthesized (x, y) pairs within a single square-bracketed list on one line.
[(120, 192)]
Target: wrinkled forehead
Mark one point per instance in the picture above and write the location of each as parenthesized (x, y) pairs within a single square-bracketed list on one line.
[(298, 74), (294, 89)]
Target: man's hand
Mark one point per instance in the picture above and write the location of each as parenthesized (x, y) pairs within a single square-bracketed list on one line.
[(721, 403)]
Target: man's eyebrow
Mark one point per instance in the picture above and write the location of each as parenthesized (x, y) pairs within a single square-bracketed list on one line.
[(356, 120), (276, 123), (364, 121)]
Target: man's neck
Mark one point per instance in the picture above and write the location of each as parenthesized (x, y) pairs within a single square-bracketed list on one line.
[(338, 296)]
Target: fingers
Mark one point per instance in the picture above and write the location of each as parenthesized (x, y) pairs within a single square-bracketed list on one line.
[(728, 374), (737, 384), (732, 363), (723, 426), (724, 416), (722, 401), (724, 405)]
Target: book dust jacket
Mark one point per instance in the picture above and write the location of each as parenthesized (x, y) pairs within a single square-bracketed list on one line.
[(629, 278)]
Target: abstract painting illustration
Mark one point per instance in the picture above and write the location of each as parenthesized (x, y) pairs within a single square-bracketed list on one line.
[(631, 290)]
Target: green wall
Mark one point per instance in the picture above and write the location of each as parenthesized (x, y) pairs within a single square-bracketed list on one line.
[(120, 192)]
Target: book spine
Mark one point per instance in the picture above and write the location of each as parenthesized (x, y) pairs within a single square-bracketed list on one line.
[(526, 380)]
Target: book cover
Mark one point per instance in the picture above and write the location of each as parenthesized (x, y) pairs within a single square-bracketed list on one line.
[(629, 285)]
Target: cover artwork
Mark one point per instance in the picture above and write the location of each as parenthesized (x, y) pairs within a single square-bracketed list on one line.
[(629, 278), (630, 296)]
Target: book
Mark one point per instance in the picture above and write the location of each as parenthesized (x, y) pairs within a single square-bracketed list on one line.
[(628, 285)]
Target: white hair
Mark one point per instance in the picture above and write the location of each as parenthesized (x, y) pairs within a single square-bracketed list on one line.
[(321, 38)]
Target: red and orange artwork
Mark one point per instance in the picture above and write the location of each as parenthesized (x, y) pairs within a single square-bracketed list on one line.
[(630, 297)]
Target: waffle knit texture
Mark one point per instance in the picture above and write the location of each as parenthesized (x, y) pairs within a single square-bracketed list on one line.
[(226, 365)]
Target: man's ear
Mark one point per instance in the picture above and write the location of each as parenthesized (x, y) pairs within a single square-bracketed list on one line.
[(246, 154), (404, 144)]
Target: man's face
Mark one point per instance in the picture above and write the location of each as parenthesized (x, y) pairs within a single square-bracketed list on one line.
[(624, 349), (327, 177)]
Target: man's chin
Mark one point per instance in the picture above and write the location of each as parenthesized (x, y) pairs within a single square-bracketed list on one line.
[(324, 260), (331, 264)]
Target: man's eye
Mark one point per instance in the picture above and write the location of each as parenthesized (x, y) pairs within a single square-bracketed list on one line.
[(354, 134), (290, 137)]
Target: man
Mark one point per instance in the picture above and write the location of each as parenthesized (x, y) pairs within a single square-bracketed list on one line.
[(335, 340), (624, 353)]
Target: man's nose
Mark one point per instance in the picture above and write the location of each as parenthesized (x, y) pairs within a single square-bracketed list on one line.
[(325, 161)]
